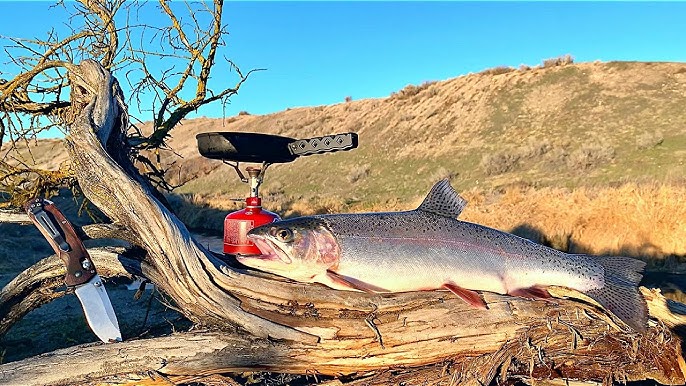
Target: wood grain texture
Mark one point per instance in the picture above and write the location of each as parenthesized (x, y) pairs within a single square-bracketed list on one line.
[(14, 217), (516, 337)]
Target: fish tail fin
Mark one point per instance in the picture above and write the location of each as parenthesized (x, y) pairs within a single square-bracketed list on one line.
[(620, 293)]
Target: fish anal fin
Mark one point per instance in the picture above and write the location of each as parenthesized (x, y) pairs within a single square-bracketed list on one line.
[(471, 297), (534, 292), (352, 283), (443, 200)]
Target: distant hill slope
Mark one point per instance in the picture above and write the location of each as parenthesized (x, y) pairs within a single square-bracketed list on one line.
[(583, 124), (572, 125)]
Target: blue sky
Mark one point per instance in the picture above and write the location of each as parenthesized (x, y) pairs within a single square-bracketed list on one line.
[(320, 52)]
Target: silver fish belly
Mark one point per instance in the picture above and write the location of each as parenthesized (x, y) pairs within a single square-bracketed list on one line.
[(412, 250)]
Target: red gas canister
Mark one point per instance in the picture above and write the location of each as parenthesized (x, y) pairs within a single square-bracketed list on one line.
[(237, 224)]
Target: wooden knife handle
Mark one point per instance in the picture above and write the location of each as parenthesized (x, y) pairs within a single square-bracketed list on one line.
[(80, 267)]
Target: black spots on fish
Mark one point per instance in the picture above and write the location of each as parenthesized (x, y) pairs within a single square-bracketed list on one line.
[(625, 267), (374, 224), (310, 222), (443, 200), (620, 293), (623, 301)]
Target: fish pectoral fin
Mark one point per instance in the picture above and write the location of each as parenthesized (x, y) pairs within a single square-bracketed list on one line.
[(471, 297), (534, 292), (352, 283)]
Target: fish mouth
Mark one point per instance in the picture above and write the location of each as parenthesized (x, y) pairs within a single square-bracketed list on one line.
[(270, 251)]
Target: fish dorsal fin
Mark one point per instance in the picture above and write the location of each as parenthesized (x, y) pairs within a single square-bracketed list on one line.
[(443, 200)]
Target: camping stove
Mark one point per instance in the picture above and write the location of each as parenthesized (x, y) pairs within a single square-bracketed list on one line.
[(232, 148), (238, 223)]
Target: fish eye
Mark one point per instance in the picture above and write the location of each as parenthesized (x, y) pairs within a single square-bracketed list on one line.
[(284, 234)]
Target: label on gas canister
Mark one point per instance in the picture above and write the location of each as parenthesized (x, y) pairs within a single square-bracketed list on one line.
[(236, 231)]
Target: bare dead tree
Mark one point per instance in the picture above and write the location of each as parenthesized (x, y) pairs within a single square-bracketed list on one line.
[(34, 100), (245, 321)]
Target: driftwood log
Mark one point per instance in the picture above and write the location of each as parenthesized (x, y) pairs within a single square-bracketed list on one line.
[(251, 322)]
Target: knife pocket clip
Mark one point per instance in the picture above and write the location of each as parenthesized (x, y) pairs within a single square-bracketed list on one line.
[(49, 225)]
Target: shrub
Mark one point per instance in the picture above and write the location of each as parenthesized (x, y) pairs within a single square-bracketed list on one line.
[(589, 156), (647, 140), (499, 163), (348, 99), (497, 70), (441, 173), (411, 90), (359, 172), (509, 159), (559, 61), (535, 148), (243, 113)]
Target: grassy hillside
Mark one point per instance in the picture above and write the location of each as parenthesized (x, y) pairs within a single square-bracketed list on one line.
[(565, 139), (576, 125), (572, 125)]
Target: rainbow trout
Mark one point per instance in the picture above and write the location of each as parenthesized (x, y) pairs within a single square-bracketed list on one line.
[(428, 248)]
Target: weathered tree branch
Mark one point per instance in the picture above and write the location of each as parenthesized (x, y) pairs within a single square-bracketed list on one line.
[(107, 231), (44, 282), (259, 322), (14, 217), (333, 332), (517, 337), (183, 273)]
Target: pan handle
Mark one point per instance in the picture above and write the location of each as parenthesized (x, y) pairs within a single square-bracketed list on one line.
[(325, 144)]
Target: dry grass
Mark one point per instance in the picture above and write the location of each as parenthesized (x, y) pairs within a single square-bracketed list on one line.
[(201, 212), (411, 90), (574, 126), (635, 220), (590, 114), (579, 126), (48, 153)]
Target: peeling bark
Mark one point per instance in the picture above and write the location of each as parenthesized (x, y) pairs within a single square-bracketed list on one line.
[(260, 322)]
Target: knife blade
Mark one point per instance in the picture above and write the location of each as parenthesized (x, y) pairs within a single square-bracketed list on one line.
[(98, 309), (81, 273)]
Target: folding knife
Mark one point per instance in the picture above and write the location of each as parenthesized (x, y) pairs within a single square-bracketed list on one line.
[(81, 273)]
